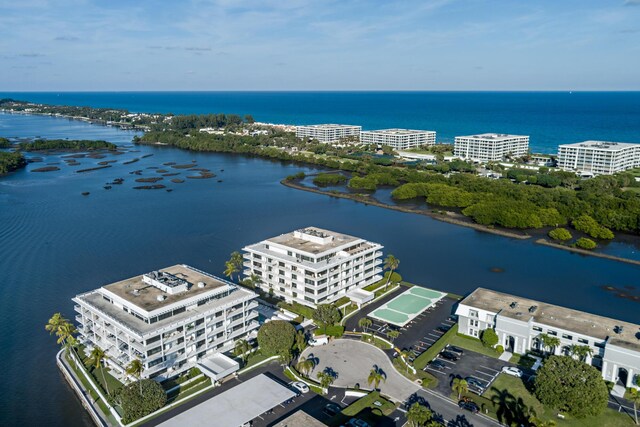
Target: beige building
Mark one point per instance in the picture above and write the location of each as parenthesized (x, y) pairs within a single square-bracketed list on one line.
[(488, 147)]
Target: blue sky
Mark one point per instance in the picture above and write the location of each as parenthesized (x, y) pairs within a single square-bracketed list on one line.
[(319, 45)]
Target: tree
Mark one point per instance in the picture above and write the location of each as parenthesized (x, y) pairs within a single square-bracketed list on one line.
[(460, 386), (326, 315), (634, 397), (489, 338), (393, 334), (418, 415), (63, 329), (300, 341), (560, 234), (376, 375), (391, 263), (305, 366), (584, 243), (139, 403), (364, 323), (275, 337), (590, 226), (326, 378), (135, 368), (96, 359), (572, 386), (580, 352), (549, 342), (248, 118), (242, 349), (233, 265)]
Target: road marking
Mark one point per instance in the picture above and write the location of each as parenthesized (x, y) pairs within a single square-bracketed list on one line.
[(489, 369), (436, 371), (445, 360)]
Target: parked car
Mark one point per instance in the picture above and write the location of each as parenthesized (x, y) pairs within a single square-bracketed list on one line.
[(300, 386), (469, 405), (443, 328), (319, 340), (357, 422), (473, 381), (438, 365), (510, 370), (331, 409), (449, 356), (455, 349), (475, 389)]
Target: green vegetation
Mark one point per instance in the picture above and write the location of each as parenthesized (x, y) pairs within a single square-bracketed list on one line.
[(67, 145), (373, 339), (419, 415), (372, 180), (326, 179), (325, 316), (369, 401), (297, 308), (276, 338), (234, 265), (473, 344), (584, 243), (5, 143), (10, 162), (560, 234), (137, 402), (572, 386), (590, 226), (426, 357), (489, 338)]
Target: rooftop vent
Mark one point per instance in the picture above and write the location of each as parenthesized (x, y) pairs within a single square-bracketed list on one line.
[(161, 297), (136, 292), (513, 304), (618, 329), (533, 308), (166, 282), (201, 284)]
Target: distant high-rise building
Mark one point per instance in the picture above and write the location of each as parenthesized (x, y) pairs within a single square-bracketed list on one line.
[(488, 147), (399, 139), (598, 157), (328, 132)]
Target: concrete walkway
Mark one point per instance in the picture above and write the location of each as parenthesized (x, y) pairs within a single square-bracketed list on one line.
[(353, 360)]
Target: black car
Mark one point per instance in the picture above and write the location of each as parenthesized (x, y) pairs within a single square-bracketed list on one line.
[(469, 406), (449, 356), (331, 409), (455, 349), (436, 364), (443, 328)]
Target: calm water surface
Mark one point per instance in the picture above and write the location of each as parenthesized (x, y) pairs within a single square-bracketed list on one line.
[(55, 243)]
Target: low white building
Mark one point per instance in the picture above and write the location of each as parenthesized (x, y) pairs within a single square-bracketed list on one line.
[(519, 322), (171, 320), (399, 139), (489, 147), (313, 266), (598, 157), (328, 132)]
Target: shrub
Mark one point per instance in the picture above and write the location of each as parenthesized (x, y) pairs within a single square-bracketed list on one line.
[(590, 226), (500, 349), (276, 337), (364, 183), (135, 405), (194, 372), (324, 179), (334, 331), (489, 338), (560, 234), (584, 243)]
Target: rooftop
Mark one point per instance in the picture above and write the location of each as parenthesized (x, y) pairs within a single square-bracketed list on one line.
[(328, 126), (300, 419), (603, 145), (140, 292), (313, 240), (621, 333), (493, 136), (398, 131)]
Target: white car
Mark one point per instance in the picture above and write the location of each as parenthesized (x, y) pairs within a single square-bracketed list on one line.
[(510, 370), (300, 386)]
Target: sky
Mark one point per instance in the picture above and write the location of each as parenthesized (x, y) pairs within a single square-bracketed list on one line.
[(121, 45)]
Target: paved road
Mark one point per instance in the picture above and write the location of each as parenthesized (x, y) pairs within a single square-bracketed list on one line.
[(450, 414), (352, 361)]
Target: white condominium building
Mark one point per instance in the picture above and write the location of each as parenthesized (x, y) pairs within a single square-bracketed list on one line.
[(172, 319), (520, 322), (328, 132), (488, 147), (598, 157), (399, 139), (313, 266)]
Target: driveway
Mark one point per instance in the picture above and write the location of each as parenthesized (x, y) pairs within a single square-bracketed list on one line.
[(353, 360)]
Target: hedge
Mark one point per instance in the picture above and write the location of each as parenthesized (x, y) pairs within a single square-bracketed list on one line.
[(430, 354)]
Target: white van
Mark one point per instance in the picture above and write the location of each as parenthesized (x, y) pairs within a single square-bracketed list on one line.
[(319, 340)]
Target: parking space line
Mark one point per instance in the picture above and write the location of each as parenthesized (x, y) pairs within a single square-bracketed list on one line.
[(489, 369), (447, 361)]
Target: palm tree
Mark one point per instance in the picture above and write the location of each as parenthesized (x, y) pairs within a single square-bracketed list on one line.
[(234, 265), (242, 349), (391, 263), (549, 342), (634, 397), (96, 358), (376, 375), (583, 351), (135, 368), (460, 386), (393, 334), (418, 415), (305, 366), (230, 269), (63, 329), (364, 323), (301, 341), (326, 379)]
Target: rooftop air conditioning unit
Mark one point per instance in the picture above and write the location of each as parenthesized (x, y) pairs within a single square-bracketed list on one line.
[(161, 297), (201, 284)]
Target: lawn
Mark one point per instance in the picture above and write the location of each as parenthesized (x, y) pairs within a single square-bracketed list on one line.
[(376, 341), (523, 361), (369, 401), (297, 308), (472, 344)]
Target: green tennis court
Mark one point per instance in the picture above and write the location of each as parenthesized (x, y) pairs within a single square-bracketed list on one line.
[(407, 306)]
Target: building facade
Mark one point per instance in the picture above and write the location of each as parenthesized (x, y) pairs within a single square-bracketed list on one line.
[(328, 133), (598, 157), (313, 266), (171, 320), (520, 322), (399, 139), (490, 147)]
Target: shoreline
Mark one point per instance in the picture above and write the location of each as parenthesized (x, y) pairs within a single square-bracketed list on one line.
[(437, 216), (545, 242)]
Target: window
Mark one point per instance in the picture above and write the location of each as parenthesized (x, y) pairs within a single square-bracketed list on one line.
[(473, 323), (567, 337), (473, 313), (552, 333), (537, 328), (583, 341)]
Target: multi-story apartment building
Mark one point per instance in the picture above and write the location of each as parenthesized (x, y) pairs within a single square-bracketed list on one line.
[(598, 157), (328, 132), (313, 266), (399, 139), (171, 319), (519, 322), (489, 147)]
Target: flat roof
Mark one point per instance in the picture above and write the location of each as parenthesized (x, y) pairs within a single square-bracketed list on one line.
[(552, 315), (603, 145), (493, 136), (398, 131), (145, 296), (291, 241), (328, 126), (236, 406), (300, 419)]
